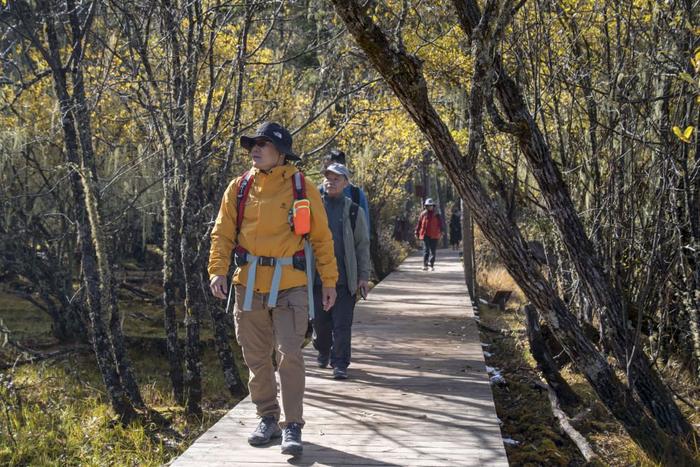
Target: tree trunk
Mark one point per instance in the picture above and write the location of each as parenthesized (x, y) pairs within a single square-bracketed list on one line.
[(89, 177), (108, 294), (583, 61), (468, 251), (545, 362), (193, 270), (183, 151), (100, 338), (440, 194), (171, 261), (404, 76), (376, 254)]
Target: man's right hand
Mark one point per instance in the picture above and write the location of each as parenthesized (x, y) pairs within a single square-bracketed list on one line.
[(218, 286)]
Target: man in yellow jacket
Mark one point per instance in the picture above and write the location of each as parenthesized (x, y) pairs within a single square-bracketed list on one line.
[(271, 307)]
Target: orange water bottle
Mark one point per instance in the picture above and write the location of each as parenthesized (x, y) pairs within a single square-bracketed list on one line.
[(301, 216)]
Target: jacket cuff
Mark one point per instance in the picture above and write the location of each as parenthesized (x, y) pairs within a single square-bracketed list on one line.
[(217, 272)]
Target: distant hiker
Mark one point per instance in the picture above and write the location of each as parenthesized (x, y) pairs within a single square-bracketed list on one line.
[(429, 229), (354, 192), (274, 220), (332, 328), (455, 228)]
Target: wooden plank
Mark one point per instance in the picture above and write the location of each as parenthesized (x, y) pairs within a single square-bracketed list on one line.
[(418, 393)]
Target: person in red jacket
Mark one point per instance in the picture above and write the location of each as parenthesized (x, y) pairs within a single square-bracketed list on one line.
[(429, 229)]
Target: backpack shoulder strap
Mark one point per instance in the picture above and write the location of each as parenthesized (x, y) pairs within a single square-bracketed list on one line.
[(423, 220), (299, 186), (242, 197), (354, 208), (355, 192)]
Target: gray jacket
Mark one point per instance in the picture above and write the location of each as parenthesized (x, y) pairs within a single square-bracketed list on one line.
[(356, 247)]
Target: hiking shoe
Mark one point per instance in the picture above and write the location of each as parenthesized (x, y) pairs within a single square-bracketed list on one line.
[(340, 373), (265, 431), (425, 268), (291, 440), (322, 361), (432, 268)]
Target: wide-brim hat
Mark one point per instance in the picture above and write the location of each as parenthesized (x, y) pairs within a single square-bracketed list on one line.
[(274, 133)]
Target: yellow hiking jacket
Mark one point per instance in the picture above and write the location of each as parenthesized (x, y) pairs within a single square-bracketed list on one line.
[(265, 231)]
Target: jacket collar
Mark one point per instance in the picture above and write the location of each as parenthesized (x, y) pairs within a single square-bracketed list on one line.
[(279, 172)]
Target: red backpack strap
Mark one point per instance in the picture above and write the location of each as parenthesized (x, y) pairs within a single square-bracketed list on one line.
[(298, 186), (243, 190)]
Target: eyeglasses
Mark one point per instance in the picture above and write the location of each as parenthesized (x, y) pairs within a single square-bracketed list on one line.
[(261, 143)]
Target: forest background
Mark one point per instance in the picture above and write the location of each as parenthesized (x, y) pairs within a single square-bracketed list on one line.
[(119, 127)]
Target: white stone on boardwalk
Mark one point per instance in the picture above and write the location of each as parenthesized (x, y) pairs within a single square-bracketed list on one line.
[(418, 393)]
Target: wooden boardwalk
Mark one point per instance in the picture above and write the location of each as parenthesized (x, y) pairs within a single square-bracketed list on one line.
[(418, 392)]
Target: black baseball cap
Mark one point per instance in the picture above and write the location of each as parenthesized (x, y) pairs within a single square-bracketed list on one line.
[(276, 134)]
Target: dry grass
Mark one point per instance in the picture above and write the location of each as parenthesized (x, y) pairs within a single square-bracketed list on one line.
[(496, 278), (491, 275)]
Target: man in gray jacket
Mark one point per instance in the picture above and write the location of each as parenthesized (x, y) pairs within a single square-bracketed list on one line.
[(348, 224)]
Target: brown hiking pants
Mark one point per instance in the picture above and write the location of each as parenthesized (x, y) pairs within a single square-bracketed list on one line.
[(262, 330)]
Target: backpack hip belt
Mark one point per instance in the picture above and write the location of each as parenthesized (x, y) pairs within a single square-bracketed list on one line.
[(274, 286), (242, 257)]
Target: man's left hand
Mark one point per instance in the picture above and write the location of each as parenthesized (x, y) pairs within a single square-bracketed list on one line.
[(329, 296), (363, 286)]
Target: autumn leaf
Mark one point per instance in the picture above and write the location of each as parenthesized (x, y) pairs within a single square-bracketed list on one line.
[(685, 134), (695, 61)]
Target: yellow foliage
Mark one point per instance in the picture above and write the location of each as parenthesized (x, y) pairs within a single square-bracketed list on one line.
[(695, 60), (683, 135)]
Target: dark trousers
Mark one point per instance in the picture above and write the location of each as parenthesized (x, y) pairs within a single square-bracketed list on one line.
[(429, 247), (332, 329)]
